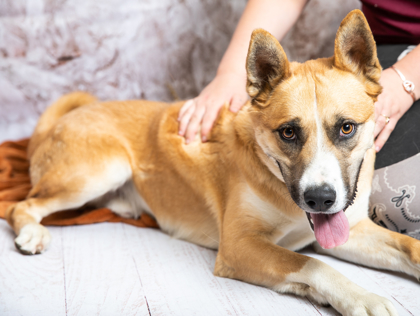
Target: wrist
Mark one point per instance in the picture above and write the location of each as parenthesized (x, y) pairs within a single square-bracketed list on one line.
[(232, 65), (410, 70), (409, 85), (392, 83)]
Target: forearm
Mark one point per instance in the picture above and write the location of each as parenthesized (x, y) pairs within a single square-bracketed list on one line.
[(275, 16), (410, 67)]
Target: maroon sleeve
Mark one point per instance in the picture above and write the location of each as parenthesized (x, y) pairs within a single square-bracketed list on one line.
[(393, 21)]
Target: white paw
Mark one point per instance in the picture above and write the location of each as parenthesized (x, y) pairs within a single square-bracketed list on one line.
[(372, 305), (33, 239), (121, 207)]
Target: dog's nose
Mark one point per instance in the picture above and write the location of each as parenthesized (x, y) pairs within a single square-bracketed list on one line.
[(319, 198)]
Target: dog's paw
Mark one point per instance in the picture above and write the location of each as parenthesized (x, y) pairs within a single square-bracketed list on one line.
[(33, 239), (372, 305), (121, 207)]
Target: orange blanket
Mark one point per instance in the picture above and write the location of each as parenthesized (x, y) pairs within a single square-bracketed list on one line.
[(15, 185)]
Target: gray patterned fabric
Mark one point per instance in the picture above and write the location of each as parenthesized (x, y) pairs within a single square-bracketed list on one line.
[(393, 203)]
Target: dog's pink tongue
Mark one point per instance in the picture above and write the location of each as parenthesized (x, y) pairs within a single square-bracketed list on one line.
[(331, 230)]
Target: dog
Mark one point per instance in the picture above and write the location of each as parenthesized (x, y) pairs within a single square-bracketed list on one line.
[(292, 168)]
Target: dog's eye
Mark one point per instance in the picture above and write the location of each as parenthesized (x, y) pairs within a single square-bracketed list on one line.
[(288, 133), (347, 129)]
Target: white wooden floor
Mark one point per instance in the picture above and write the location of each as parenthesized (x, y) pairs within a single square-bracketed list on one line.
[(117, 269)]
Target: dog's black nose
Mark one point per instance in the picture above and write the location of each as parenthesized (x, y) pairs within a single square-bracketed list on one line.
[(319, 198)]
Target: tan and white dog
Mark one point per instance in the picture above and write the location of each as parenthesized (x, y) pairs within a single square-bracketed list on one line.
[(297, 155)]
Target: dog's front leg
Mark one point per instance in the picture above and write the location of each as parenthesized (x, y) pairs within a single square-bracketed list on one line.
[(377, 247), (246, 253)]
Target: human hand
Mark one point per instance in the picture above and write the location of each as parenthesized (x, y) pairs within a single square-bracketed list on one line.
[(225, 88), (393, 102)]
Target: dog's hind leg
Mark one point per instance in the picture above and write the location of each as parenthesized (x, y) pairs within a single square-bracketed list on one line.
[(125, 202), (374, 246), (61, 188)]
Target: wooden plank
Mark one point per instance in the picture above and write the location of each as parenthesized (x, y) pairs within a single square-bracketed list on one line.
[(173, 280), (31, 285), (401, 291), (177, 279), (101, 277)]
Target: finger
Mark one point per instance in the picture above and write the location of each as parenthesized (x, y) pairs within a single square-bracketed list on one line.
[(183, 124), (384, 135), (195, 121), (379, 126), (208, 120), (185, 107), (378, 109), (236, 103)]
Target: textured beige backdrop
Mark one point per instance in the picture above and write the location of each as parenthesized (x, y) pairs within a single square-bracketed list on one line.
[(122, 49)]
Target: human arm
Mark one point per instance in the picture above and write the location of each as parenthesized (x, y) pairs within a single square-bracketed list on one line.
[(275, 16), (394, 101)]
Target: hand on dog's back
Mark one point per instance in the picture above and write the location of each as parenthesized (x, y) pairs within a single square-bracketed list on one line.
[(204, 109)]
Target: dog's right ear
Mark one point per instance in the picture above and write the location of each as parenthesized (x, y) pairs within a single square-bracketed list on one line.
[(355, 50), (266, 66)]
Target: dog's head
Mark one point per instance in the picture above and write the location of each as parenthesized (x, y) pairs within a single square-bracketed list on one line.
[(315, 120)]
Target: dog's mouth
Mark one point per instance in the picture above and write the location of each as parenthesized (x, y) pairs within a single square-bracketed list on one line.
[(308, 215)]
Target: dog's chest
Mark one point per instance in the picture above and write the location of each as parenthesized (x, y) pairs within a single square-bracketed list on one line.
[(299, 236), (290, 229)]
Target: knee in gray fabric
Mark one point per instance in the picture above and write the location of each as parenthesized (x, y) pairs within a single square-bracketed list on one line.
[(393, 202)]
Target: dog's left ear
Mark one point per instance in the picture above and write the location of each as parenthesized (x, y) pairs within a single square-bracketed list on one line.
[(355, 48), (266, 66)]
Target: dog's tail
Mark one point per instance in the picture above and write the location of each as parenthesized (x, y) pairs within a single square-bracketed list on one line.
[(62, 106)]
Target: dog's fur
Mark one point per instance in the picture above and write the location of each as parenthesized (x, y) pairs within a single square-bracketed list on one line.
[(242, 192)]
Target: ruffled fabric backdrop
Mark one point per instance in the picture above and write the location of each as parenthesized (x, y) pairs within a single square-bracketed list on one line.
[(124, 49)]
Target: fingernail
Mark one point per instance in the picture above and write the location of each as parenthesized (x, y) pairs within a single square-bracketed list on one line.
[(180, 132), (187, 141), (377, 148), (204, 139)]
